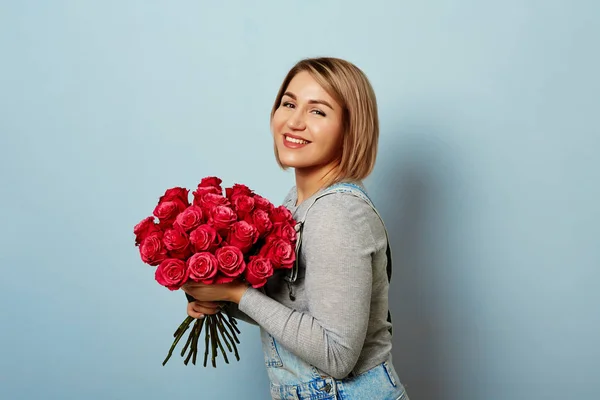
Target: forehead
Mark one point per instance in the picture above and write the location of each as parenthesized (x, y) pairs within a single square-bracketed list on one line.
[(304, 86)]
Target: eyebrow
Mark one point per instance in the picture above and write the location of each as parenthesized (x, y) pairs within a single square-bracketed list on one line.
[(315, 101)]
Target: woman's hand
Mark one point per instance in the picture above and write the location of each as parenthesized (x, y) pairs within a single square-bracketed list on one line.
[(232, 292), (198, 309)]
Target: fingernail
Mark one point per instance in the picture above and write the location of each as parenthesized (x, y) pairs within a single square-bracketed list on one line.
[(200, 316)]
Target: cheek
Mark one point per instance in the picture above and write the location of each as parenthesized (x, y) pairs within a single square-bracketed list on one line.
[(331, 135), (277, 122)]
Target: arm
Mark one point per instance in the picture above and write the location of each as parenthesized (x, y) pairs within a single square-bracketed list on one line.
[(338, 246), (233, 310)]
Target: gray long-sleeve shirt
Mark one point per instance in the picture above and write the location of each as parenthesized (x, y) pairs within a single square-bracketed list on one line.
[(338, 321)]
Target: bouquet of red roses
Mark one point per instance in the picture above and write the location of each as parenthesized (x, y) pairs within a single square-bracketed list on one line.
[(215, 239)]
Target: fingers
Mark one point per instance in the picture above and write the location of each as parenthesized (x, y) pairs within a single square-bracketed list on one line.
[(198, 309), (205, 307), (193, 313), (192, 285), (209, 304)]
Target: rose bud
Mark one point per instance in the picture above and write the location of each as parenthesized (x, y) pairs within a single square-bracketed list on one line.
[(204, 238), (208, 201), (238, 190), (262, 204), (177, 194), (211, 181), (279, 251), (152, 250), (189, 219), (167, 212), (201, 191), (242, 235), (231, 261), (177, 242), (145, 228), (202, 267), (259, 269), (261, 220), (281, 214), (285, 231), (243, 205), (171, 273), (221, 218)]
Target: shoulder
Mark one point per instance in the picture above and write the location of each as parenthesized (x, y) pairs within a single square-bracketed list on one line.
[(343, 214), (340, 204)]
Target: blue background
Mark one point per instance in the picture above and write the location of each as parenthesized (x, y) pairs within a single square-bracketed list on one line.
[(488, 178)]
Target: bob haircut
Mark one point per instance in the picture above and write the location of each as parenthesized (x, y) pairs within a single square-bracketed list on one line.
[(350, 87)]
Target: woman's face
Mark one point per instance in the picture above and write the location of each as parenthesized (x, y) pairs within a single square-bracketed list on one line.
[(307, 126)]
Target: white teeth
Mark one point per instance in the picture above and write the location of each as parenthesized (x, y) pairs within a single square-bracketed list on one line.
[(294, 140)]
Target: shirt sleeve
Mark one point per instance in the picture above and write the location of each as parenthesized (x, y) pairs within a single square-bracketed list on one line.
[(234, 311), (338, 247)]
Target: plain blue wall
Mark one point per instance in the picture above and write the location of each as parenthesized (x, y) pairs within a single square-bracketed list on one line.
[(488, 178)]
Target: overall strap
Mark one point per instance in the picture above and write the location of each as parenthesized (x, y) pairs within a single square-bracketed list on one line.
[(342, 187)]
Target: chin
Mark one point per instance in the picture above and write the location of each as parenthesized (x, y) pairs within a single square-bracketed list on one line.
[(291, 164), (287, 159)]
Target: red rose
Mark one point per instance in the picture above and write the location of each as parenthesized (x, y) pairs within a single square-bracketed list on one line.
[(243, 205), (262, 204), (201, 191), (211, 181), (258, 271), (221, 218), (279, 251), (177, 242), (145, 228), (167, 211), (177, 194), (231, 261), (242, 235), (281, 214), (204, 238), (237, 190), (208, 201), (171, 273), (152, 249), (189, 219), (285, 231), (260, 219), (202, 267)]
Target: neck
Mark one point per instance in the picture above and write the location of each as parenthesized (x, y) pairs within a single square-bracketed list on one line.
[(310, 180)]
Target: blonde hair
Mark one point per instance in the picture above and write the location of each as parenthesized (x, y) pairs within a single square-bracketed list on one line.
[(351, 89)]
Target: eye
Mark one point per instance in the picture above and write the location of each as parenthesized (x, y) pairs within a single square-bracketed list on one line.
[(287, 104), (319, 112)]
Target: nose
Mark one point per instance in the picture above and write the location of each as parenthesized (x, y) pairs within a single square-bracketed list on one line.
[(296, 121)]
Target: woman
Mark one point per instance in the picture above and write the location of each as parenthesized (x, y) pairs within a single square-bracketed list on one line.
[(325, 324)]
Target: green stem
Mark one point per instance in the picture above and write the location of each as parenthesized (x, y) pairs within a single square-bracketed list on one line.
[(213, 343), (215, 328), (206, 344), (183, 325), (223, 334), (233, 322), (235, 350), (177, 340), (193, 336), (189, 339), (227, 336), (195, 343), (221, 318)]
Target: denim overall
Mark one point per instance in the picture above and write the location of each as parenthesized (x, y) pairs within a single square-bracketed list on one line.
[(293, 378)]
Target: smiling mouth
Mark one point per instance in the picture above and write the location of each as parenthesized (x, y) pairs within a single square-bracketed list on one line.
[(295, 140)]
